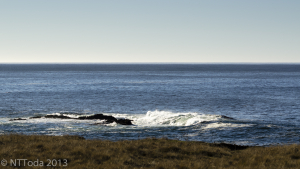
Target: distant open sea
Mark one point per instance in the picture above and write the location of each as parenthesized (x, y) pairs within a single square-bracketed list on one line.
[(177, 101)]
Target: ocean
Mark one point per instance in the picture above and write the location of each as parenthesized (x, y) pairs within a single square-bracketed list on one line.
[(243, 104)]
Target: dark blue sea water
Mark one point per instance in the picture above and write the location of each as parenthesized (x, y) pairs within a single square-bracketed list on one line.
[(178, 101)]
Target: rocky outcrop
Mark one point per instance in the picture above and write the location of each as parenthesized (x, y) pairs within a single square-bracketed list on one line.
[(58, 117), (226, 117), (124, 121), (16, 119), (98, 116), (108, 119)]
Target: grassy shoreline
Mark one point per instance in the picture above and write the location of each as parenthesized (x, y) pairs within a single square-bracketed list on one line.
[(76, 152)]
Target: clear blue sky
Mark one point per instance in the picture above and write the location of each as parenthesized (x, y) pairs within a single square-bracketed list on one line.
[(193, 31)]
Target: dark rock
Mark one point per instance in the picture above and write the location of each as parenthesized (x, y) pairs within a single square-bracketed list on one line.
[(36, 117), (226, 117), (108, 119), (124, 121), (120, 121), (58, 117), (98, 116), (16, 119)]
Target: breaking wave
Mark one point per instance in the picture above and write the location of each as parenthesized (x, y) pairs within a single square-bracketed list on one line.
[(150, 119), (166, 118)]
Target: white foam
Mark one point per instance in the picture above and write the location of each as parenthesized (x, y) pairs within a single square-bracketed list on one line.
[(57, 121), (150, 119), (112, 124), (221, 125), (66, 114), (166, 118)]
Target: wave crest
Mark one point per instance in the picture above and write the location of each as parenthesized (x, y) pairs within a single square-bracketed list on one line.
[(166, 118)]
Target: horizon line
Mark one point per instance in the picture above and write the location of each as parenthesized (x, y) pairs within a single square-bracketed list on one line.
[(24, 63)]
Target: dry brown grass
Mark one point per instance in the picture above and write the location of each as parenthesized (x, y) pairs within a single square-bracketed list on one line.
[(145, 153)]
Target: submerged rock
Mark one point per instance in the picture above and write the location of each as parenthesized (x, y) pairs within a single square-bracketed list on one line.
[(124, 121), (16, 119), (108, 119), (58, 117), (98, 116), (35, 117), (226, 117)]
